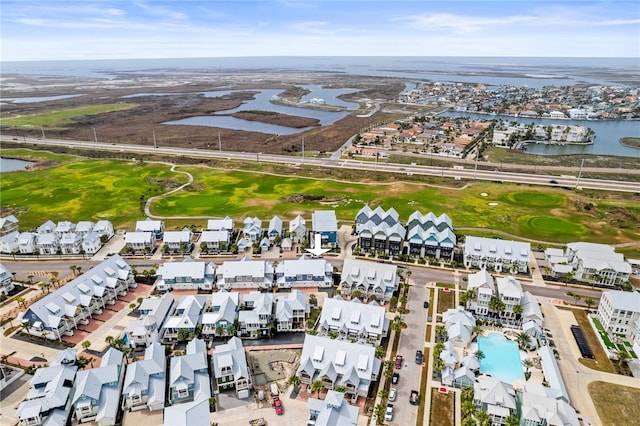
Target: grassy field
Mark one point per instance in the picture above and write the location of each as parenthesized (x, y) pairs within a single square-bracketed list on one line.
[(65, 116), (617, 405), (442, 408), (86, 189)]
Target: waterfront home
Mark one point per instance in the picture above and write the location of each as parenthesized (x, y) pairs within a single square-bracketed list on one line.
[(186, 275), (256, 318), (339, 362), (499, 255), (220, 321), (63, 310), (149, 225), (230, 370), (353, 320), (178, 241), (298, 229), (8, 224), (244, 273), (144, 382), (324, 222), (47, 401), (597, 263), (292, 311), (332, 410), (304, 272), (6, 280), (9, 243), (97, 390), (372, 280), (153, 313), (619, 313), (182, 324), (189, 375), (139, 242)]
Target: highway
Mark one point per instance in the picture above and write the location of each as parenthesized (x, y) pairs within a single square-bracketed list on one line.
[(456, 172)]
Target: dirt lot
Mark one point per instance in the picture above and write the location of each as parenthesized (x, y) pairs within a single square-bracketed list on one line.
[(183, 98)]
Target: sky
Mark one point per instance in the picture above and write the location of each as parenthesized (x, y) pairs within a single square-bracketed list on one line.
[(91, 29)]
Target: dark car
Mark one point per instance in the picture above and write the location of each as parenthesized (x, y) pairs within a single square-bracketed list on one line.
[(425, 304), (553, 181), (395, 378), (419, 356)]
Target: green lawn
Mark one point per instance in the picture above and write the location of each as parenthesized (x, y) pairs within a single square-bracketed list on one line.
[(617, 405), (57, 118), (76, 189)]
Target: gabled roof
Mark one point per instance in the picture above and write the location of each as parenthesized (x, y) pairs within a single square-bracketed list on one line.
[(230, 352), (149, 225), (183, 236), (297, 222), (324, 221), (365, 318), (509, 287), (187, 414), (275, 225), (481, 279), (244, 267), (495, 248), (333, 410), (138, 376), (286, 304), (224, 307), (623, 300), (225, 224), (493, 392)]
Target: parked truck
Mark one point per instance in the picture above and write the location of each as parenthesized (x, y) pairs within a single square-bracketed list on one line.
[(414, 398), (273, 387)]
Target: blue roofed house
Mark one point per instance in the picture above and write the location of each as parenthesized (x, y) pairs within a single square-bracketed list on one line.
[(48, 401), (186, 318), (333, 410), (304, 272), (376, 217), (220, 321), (230, 370), (324, 222), (144, 382), (153, 313), (187, 414), (265, 244), (189, 375), (369, 278), (97, 391)]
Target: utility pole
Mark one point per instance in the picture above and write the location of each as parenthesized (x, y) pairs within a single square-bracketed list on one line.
[(155, 145), (43, 137), (475, 170), (302, 150), (95, 136), (579, 174), (219, 143)]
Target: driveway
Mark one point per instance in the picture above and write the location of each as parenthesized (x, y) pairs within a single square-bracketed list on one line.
[(411, 339)]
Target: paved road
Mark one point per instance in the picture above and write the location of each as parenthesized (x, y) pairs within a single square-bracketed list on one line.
[(411, 339), (450, 172)]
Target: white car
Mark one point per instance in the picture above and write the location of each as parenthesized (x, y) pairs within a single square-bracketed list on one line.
[(392, 394), (388, 415)]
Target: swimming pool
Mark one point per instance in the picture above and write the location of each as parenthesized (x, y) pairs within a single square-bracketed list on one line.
[(501, 358)]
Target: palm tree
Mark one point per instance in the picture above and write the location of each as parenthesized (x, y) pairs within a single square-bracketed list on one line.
[(622, 356), (523, 339), (483, 418), (575, 296), (441, 332), (438, 365), (109, 340), (517, 310), (378, 411), (30, 278), (479, 355), (527, 363), (73, 269), (468, 421), (21, 301), (476, 330), (317, 386), (86, 344), (468, 408), (467, 297), (341, 388), (379, 351), (511, 421), (596, 278), (497, 305), (467, 393), (26, 325), (384, 394), (294, 380), (589, 302)]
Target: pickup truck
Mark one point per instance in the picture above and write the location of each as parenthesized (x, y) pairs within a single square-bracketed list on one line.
[(414, 398), (277, 404)]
